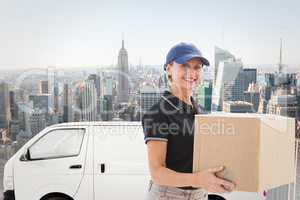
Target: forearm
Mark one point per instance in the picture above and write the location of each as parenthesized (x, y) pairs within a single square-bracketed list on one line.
[(165, 176)]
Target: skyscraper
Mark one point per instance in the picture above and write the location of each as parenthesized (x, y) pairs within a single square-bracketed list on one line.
[(14, 126), (106, 101), (50, 79), (252, 96), (88, 100), (44, 87), (270, 79), (149, 96), (40, 101), (24, 115), (67, 106), (204, 96), (229, 83), (282, 103), (13, 105), (221, 55), (96, 79), (123, 78), (250, 76), (14, 129), (55, 94), (5, 114), (108, 87), (106, 107), (37, 121)]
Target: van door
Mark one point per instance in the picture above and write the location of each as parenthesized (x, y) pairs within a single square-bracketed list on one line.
[(120, 162), (56, 164)]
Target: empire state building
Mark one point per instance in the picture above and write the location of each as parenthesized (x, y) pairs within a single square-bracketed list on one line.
[(123, 78)]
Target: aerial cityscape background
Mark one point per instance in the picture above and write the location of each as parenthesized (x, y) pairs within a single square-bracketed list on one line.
[(33, 99), (66, 61)]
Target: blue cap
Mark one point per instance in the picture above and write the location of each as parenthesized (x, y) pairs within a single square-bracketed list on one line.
[(183, 52)]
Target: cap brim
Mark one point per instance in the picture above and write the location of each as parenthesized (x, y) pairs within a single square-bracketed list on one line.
[(184, 59)]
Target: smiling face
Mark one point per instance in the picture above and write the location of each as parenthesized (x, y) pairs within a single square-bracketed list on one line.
[(186, 76)]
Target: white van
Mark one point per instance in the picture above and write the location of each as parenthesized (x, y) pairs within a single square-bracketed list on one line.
[(83, 161)]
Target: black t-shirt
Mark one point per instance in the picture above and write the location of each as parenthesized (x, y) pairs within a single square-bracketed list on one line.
[(172, 120)]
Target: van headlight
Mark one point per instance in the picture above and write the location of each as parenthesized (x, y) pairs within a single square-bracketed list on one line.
[(8, 183)]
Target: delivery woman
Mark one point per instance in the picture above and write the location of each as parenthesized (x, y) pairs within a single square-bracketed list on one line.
[(169, 133)]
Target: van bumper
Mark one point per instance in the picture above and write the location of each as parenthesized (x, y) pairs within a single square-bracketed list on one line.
[(9, 195)]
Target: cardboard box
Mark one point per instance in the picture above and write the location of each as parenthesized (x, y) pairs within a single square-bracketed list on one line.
[(258, 151)]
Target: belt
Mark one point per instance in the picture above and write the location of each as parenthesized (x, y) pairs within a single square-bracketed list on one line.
[(186, 188)]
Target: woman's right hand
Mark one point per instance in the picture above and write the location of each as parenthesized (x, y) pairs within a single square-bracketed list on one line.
[(211, 182)]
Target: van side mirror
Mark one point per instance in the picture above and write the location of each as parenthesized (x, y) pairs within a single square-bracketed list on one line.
[(25, 156)]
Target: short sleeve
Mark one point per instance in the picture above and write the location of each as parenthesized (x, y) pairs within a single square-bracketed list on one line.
[(155, 126)]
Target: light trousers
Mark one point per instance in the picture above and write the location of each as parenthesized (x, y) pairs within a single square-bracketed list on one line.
[(161, 192)]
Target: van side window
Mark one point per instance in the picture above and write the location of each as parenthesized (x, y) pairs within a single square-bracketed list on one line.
[(57, 143)]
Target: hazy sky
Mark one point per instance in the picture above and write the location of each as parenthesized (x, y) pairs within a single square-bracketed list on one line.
[(40, 33)]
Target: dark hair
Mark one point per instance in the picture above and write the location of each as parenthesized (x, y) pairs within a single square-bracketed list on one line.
[(168, 75)]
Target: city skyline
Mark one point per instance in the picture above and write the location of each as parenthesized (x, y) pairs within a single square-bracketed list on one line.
[(65, 33), (40, 98), (83, 64)]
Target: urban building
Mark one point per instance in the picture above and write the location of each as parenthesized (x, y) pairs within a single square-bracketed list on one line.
[(107, 108), (123, 76), (56, 95), (252, 96), (237, 107), (44, 87), (14, 129), (13, 105), (67, 104), (149, 96), (219, 56), (285, 105), (96, 79), (37, 121), (88, 99), (250, 76), (108, 88), (229, 83), (204, 96), (40, 101), (5, 113)]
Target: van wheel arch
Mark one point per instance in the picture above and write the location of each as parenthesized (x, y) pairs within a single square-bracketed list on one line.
[(56, 196)]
